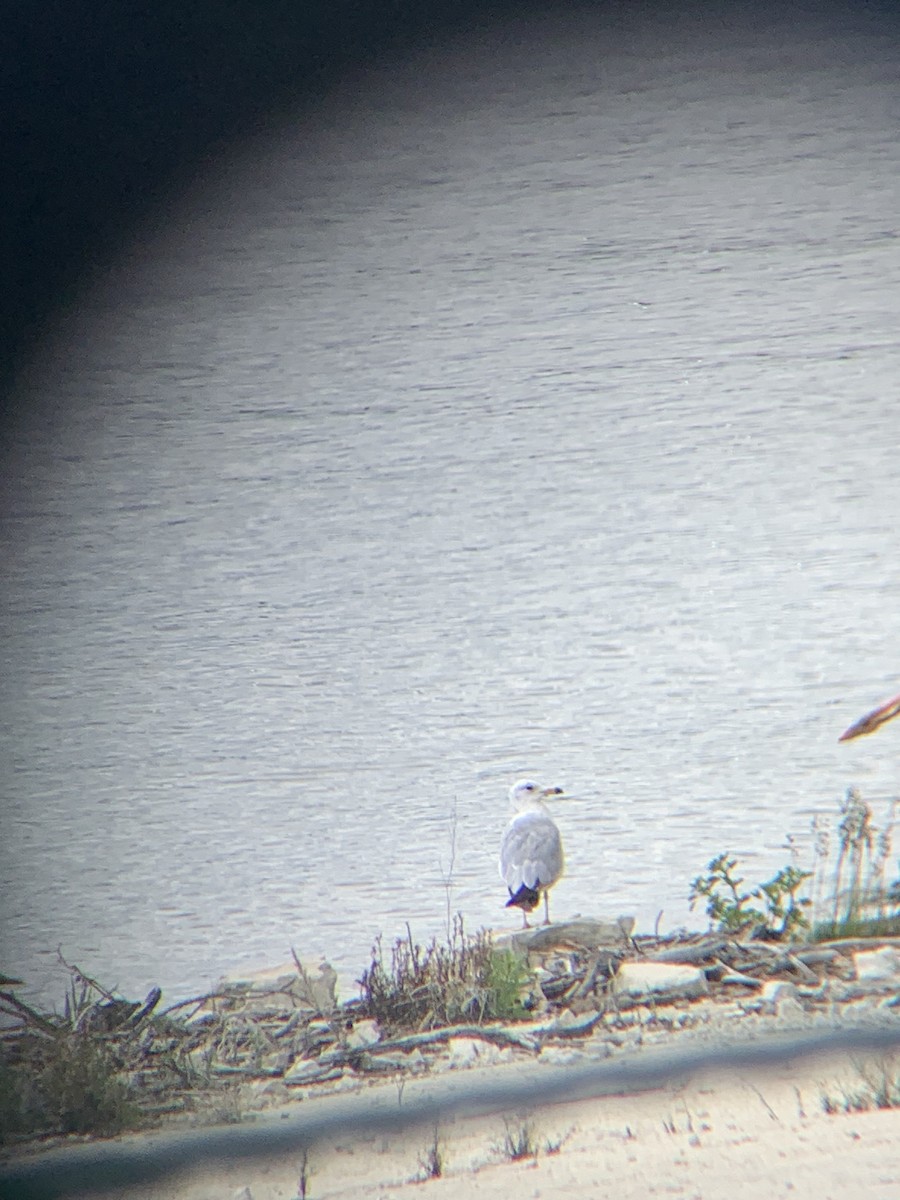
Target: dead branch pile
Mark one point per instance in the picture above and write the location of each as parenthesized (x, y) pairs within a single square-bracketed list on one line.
[(108, 1063)]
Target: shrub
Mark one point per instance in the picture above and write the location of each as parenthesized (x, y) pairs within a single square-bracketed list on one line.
[(862, 903), (728, 906), (65, 1084), (462, 980), (81, 1090)]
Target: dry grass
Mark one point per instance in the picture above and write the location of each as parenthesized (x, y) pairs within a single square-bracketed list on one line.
[(444, 983)]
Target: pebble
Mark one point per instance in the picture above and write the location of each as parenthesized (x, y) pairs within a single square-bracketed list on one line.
[(880, 966)]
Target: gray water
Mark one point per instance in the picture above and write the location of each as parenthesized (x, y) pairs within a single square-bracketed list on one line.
[(530, 408)]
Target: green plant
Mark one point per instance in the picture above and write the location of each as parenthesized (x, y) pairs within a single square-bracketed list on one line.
[(862, 903), (508, 976), (726, 904), (729, 906), (16, 1115), (81, 1090), (784, 910), (444, 983)]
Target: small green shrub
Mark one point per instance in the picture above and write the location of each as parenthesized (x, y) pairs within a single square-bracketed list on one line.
[(445, 983), (728, 906), (81, 1090), (15, 1106), (784, 910), (508, 976), (65, 1084), (862, 903)]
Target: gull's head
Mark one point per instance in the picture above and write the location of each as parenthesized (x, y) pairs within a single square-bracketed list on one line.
[(527, 794)]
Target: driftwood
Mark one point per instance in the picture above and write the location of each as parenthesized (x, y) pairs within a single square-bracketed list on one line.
[(290, 1032), (499, 1035)]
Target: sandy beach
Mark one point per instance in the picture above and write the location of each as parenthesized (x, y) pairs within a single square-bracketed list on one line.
[(722, 1088), (733, 1134)]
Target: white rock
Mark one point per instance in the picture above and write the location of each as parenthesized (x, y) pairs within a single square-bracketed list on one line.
[(659, 979), (775, 996), (363, 1033), (773, 993), (789, 1009), (560, 1056), (465, 1052), (586, 932), (878, 966)]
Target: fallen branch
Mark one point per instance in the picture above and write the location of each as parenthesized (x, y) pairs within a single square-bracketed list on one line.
[(497, 1034), (33, 1018)]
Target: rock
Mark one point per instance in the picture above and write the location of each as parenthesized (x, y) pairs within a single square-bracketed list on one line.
[(774, 994), (466, 1052), (789, 1010), (267, 1092), (639, 980), (560, 1056), (363, 1033), (879, 967), (243, 1193), (277, 1063), (585, 934)]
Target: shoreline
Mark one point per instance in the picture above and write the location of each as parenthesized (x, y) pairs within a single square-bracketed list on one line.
[(684, 996), (731, 1131)]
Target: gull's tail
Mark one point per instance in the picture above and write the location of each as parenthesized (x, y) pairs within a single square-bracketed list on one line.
[(526, 898)]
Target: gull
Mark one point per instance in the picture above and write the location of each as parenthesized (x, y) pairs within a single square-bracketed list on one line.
[(871, 721), (531, 853)]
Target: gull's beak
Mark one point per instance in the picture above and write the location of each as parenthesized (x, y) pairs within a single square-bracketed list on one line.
[(871, 721), (554, 791)]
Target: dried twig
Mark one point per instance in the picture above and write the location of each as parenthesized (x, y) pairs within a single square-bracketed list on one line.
[(25, 1010)]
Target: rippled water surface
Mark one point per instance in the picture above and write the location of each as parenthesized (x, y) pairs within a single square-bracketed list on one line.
[(530, 409)]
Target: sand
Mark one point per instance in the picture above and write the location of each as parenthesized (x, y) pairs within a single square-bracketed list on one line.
[(742, 1135)]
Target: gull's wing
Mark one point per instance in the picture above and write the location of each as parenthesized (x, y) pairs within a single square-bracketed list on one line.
[(531, 852)]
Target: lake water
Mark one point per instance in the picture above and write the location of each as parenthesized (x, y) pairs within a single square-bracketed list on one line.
[(530, 408)]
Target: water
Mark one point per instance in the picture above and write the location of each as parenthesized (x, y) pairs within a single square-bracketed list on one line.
[(528, 410)]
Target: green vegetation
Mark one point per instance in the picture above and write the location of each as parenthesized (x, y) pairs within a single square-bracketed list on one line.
[(465, 979), (69, 1083), (107, 1064), (861, 904), (728, 906), (82, 1091), (852, 899)]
